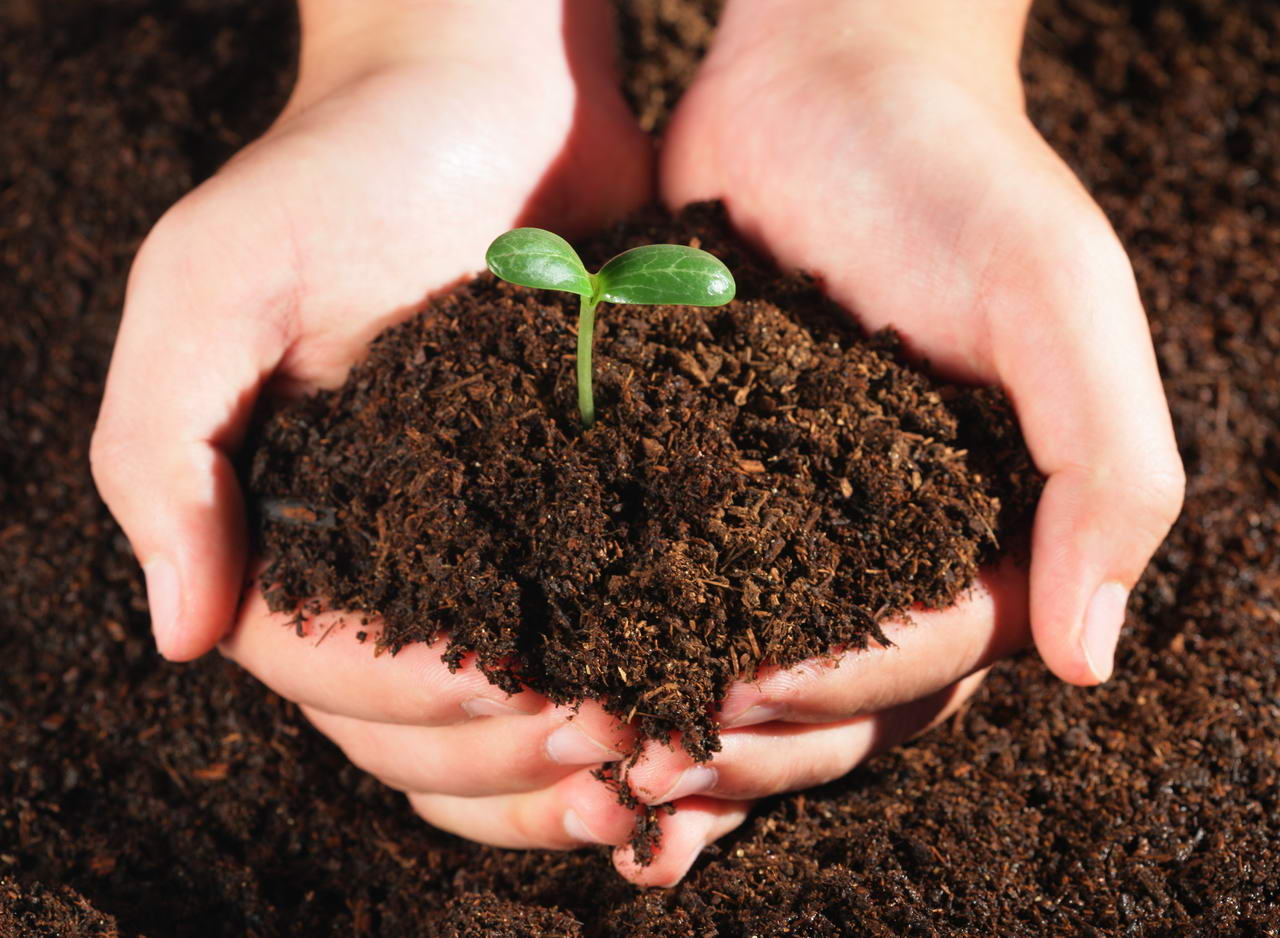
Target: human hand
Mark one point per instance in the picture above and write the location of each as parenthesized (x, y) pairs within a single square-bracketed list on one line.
[(883, 147), (416, 133)]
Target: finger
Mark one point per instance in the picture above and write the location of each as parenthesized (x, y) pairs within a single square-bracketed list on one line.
[(697, 823), (203, 323), (759, 761), (1083, 379), (576, 811), (931, 651), (501, 756), (334, 671)]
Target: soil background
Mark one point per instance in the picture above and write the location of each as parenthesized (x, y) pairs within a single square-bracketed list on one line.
[(138, 797)]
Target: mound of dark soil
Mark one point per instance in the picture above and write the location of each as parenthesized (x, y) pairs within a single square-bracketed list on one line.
[(762, 486)]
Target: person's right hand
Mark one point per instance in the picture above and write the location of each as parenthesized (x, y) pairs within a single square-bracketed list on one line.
[(416, 133)]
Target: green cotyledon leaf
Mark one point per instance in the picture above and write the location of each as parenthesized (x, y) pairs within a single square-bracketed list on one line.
[(669, 274), (532, 257)]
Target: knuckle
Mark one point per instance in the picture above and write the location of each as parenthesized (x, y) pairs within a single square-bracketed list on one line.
[(166, 244), (824, 766), (424, 807), (363, 760), (1088, 246), (1153, 490), (531, 822), (788, 777), (1076, 259), (395, 784), (1163, 494), (791, 685), (763, 777), (107, 457), (369, 758), (1142, 508), (361, 756), (420, 689)]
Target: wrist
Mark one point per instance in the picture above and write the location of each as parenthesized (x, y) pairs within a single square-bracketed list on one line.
[(977, 41), (342, 40)]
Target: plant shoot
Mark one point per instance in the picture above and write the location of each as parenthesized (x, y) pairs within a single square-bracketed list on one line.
[(656, 274)]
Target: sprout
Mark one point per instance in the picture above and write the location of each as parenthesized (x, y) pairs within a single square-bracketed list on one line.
[(650, 275)]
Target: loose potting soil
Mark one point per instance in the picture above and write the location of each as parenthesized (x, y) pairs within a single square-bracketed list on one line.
[(761, 486), (138, 797)]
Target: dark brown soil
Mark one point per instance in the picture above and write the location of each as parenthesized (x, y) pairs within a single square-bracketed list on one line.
[(484, 915), (188, 801), (762, 486), (662, 42), (35, 910)]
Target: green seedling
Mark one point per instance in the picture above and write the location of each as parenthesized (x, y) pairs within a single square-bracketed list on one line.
[(656, 274)]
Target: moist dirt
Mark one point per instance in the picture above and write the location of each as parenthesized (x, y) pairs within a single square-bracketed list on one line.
[(762, 485)]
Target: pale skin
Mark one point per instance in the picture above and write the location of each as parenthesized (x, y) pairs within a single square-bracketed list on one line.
[(880, 145)]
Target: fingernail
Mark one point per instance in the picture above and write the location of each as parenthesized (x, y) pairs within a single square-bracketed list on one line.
[(164, 598), (692, 781), (1103, 619), (577, 830), (754, 714), (488, 707), (569, 745)]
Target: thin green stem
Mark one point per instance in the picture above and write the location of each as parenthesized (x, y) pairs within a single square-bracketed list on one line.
[(586, 331)]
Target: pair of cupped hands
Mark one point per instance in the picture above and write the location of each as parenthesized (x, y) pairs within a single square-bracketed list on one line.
[(882, 146)]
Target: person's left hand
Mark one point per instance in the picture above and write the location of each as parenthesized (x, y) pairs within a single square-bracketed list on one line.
[(883, 147)]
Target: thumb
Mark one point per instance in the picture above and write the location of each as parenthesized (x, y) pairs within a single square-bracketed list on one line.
[(197, 339), (1082, 375)]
